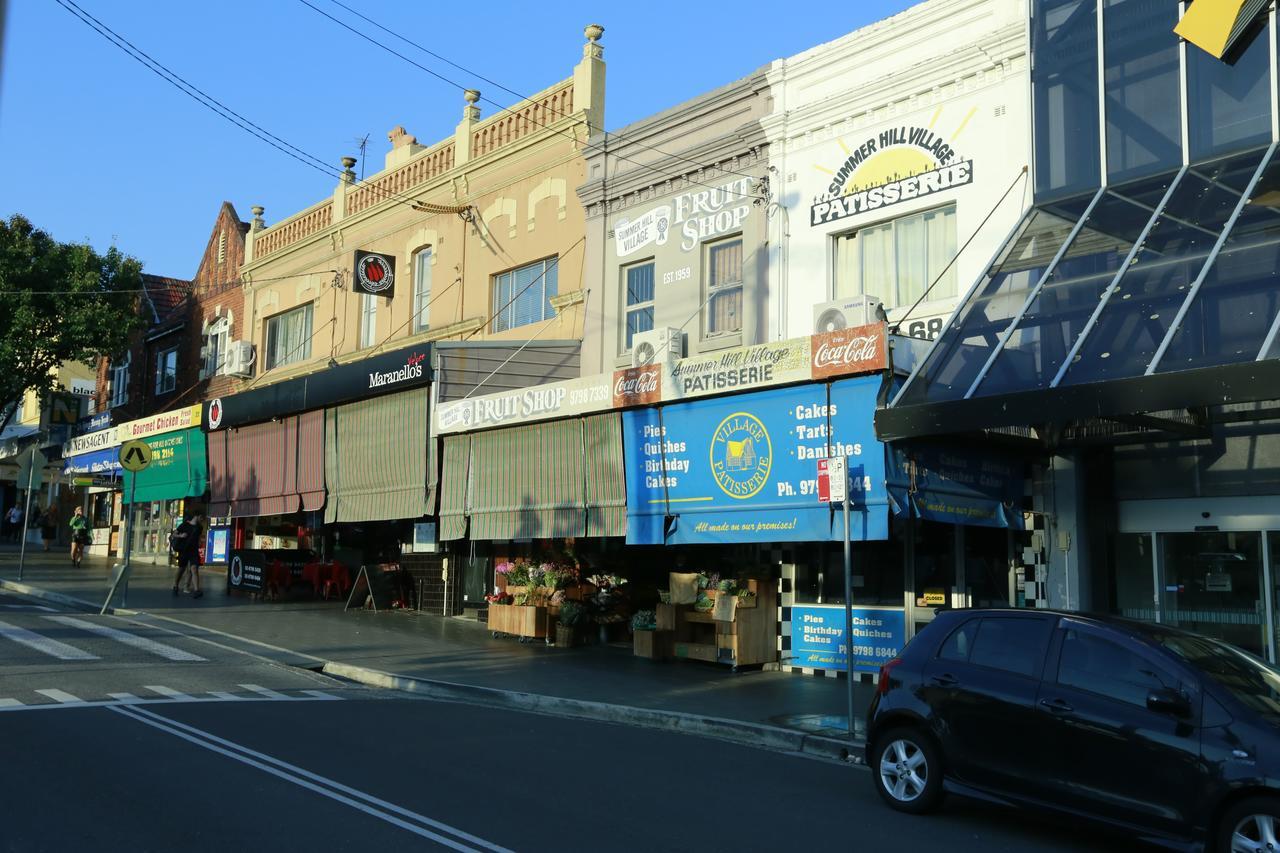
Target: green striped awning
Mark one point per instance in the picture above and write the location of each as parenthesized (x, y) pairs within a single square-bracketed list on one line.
[(376, 458), (453, 487), (527, 482), (606, 496)]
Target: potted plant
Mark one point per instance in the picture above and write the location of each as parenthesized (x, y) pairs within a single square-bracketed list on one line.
[(645, 637), (571, 617)]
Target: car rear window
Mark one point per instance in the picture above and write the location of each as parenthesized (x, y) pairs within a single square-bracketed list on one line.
[(1251, 680)]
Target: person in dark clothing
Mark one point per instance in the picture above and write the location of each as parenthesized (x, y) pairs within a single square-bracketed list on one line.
[(185, 543)]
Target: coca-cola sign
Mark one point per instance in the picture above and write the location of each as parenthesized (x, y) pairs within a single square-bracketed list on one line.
[(860, 349), (636, 386)]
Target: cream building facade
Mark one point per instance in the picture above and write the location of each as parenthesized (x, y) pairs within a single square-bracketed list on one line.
[(485, 229)]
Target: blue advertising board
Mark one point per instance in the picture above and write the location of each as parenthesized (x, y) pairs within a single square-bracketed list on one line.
[(956, 485), (818, 639), (744, 468), (105, 462), (216, 545)]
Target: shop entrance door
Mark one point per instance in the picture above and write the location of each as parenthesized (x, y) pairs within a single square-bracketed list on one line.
[(933, 554), (1213, 583)]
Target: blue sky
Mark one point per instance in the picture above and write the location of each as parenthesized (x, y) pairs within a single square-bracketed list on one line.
[(96, 147)]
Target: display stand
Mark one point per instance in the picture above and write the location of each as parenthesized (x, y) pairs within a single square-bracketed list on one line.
[(748, 638)]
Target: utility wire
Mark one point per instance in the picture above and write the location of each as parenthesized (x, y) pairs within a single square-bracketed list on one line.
[(530, 119), (514, 93)]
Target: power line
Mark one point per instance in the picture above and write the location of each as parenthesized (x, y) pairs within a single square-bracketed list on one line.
[(530, 119), (516, 94)]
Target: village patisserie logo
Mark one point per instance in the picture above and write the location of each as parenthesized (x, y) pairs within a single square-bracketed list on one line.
[(741, 455), (896, 165)]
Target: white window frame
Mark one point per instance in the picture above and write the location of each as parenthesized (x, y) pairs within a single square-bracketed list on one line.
[(503, 313), (167, 370), (422, 289), (368, 320), (217, 340), (893, 300), (714, 289), (270, 333), (120, 381), (628, 308)]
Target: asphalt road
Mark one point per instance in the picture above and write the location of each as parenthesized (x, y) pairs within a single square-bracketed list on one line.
[(116, 735)]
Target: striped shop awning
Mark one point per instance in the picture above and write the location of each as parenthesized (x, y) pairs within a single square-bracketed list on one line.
[(527, 482), (268, 469), (376, 458), (454, 475), (606, 486)]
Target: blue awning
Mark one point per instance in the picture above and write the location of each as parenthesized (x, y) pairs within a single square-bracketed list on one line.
[(99, 462), (955, 486)]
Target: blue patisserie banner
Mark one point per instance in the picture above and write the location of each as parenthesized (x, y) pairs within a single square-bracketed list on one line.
[(818, 638), (744, 468), (956, 485)]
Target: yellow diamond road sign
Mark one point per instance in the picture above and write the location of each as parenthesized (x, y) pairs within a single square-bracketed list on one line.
[(135, 455)]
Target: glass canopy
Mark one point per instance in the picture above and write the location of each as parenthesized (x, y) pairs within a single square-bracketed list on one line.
[(1173, 272)]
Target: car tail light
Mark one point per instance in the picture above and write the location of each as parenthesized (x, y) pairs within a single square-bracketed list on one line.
[(886, 668)]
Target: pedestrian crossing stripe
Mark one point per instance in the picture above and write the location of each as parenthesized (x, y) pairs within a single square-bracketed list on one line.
[(165, 696), (145, 644)]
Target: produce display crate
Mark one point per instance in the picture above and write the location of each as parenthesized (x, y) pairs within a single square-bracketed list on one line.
[(523, 621)]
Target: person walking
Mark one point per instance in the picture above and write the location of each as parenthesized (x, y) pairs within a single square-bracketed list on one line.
[(185, 542), (49, 526), (14, 519), (79, 536)]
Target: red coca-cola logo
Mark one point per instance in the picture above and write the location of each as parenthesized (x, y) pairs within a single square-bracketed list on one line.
[(856, 350), (637, 385)]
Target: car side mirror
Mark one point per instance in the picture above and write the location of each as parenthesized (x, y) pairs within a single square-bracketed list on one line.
[(1166, 701)]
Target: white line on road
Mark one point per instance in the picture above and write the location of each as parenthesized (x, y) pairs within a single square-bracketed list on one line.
[(27, 607), (169, 693), (306, 779), (228, 697), (264, 691), (147, 645), (320, 694), (9, 703), (43, 644), (61, 696), (126, 698)]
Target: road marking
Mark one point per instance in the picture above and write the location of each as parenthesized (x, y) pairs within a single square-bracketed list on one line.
[(43, 644), (61, 696), (229, 697), (169, 693), (147, 645), (27, 607), (263, 691), (9, 703), (314, 782), (126, 698), (320, 694)]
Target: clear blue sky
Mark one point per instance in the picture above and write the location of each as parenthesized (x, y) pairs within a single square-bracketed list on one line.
[(96, 147)]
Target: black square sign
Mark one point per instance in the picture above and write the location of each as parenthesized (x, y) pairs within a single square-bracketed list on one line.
[(375, 273)]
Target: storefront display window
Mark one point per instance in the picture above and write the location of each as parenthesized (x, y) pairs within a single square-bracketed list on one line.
[(100, 509), (988, 577), (1132, 578), (1065, 97), (934, 567), (877, 571), (1212, 584), (1229, 103), (153, 521)]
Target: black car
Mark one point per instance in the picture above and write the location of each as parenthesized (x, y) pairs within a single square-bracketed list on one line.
[(1167, 734)]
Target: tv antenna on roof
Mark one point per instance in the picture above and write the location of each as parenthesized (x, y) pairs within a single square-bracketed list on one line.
[(363, 145)]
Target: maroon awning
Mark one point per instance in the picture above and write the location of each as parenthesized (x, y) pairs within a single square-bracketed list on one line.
[(268, 469)]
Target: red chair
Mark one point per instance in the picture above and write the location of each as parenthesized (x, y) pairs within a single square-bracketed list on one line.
[(338, 581)]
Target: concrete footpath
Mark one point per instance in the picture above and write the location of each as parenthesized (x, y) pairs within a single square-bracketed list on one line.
[(457, 660)]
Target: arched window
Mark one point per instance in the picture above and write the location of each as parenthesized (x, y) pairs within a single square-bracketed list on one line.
[(421, 289)]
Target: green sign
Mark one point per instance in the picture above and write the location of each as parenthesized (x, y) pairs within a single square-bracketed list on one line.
[(179, 468)]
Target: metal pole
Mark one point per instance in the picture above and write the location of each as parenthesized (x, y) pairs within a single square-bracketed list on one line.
[(848, 597), (26, 514), (128, 546)]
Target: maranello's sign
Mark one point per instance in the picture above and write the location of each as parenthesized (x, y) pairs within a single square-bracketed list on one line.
[(899, 164), (412, 369), (698, 215)]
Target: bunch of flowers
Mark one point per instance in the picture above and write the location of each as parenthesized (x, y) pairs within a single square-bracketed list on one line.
[(498, 598), (606, 583)]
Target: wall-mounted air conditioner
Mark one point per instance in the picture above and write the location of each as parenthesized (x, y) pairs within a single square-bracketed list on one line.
[(656, 346), (239, 359), (843, 313)]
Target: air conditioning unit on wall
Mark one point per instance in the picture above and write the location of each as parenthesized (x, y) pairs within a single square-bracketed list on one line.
[(656, 346), (239, 359), (843, 313)]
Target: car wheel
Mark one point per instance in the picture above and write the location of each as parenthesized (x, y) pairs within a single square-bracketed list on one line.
[(1250, 826), (907, 771)]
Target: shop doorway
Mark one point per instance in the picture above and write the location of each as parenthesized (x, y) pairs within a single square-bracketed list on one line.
[(951, 565)]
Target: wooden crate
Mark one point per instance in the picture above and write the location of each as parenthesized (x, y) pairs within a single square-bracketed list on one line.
[(518, 620), (654, 645), (697, 651)]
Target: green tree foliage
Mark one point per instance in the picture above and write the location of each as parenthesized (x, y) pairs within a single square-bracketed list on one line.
[(59, 302)]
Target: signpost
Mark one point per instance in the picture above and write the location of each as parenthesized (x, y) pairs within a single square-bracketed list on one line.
[(838, 474), (31, 468), (134, 457)]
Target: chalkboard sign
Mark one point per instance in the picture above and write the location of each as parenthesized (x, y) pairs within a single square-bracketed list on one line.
[(375, 586)]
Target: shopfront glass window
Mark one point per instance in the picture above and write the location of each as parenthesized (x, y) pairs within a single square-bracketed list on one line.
[(1131, 578), (1060, 311), (987, 570), (1143, 106), (639, 286), (1064, 44), (934, 569), (877, 572), (1147, 297), (1239, 296), (967, 343), (1212, 584), (1229, 103)]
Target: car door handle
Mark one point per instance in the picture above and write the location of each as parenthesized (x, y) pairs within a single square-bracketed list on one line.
[(1058, 706), (945, 680)]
